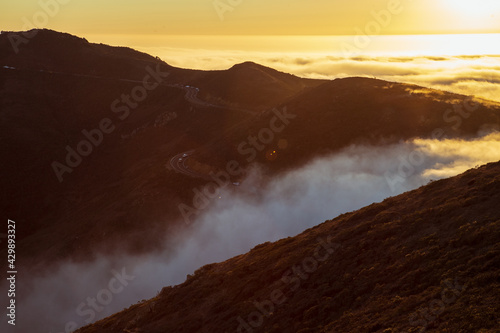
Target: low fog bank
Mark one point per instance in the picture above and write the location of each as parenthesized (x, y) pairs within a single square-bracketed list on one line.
[(243, 217), (467, 75)]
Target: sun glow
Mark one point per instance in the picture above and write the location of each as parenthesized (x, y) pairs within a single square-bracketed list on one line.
[(473, 9)]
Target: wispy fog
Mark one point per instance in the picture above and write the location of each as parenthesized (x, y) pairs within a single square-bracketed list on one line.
[(243, 217)]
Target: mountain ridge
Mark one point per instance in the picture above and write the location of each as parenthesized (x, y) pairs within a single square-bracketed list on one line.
[(393, 261), (46, 110)]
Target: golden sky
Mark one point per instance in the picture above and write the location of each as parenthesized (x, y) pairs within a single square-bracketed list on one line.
[(251, 17)]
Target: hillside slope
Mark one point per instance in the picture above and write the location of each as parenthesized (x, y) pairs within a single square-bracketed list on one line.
[(63, 85), (60, 86), (61, 52), (428, 258), (350, 111)]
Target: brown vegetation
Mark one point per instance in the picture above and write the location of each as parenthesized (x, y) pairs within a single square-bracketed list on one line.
[(424, 259)]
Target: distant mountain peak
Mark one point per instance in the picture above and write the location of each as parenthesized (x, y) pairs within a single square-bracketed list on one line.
[(247, 64), (46, 33), (250, 65)]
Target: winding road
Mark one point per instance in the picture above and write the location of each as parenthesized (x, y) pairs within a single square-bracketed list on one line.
[(192, 97), (178, 165), (177, 162)]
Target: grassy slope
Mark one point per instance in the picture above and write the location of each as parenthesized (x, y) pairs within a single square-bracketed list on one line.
[(411, 252)]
